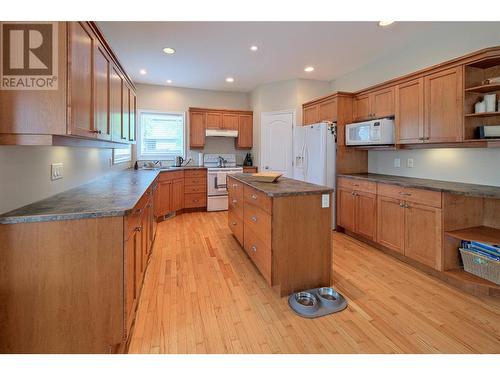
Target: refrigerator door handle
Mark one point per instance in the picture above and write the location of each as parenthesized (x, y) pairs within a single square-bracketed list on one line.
[(306, 161)]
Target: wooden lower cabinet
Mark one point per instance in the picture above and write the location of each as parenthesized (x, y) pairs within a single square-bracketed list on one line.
[(390, 223), (366, 214), (177, 194), (278, 233), (356, 211), (164, 199), (423, 234), (195, 189)]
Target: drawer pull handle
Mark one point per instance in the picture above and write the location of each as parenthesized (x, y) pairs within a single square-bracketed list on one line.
[(234, 223), (403, 193), (138, 229), (235, 185), (355, 185), (401, 205), (254, 219), (235, 201), (254, 248), (254, 196)]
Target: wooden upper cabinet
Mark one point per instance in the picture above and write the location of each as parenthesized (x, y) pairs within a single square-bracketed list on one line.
[(102, 93), (328, 110), (81, 52), (383, 102), (361, 107), (230, 121), (310, 114), (376, 104), (443, 106), (125, 112), (197, 125), (116, 83), (133, 116), (410, 111), (245, 132), (423, 234), (214, 120)]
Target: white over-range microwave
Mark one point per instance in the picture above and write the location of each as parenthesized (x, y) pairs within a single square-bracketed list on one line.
[(373, 132)]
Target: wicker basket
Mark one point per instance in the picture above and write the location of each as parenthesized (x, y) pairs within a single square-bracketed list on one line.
[(481, 266)]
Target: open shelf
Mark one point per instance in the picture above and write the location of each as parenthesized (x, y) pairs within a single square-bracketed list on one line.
[(472, 282), (483, 234), (484, 114), (484, 88)]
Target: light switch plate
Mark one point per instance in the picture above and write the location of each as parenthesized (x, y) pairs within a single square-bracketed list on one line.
[(397, 163), (409, 163), (56, 171), (325, 200)]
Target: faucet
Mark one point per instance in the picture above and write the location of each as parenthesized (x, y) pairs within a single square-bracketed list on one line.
[(222, 162)]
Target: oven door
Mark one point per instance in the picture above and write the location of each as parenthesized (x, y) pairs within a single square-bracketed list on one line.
[(216, 182)]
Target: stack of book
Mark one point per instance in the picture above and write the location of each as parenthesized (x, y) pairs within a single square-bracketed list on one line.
[(489, 251)]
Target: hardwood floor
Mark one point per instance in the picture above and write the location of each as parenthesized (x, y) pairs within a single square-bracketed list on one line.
[(203, 295)]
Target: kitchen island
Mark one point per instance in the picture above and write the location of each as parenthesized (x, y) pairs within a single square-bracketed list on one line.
[(285, 228)]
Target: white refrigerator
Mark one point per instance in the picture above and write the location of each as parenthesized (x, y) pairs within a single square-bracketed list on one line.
[(314, 156)]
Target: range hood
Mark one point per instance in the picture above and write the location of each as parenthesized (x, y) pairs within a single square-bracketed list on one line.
[(221, 133)]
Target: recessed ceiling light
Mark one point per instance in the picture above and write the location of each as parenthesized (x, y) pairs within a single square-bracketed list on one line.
[(142, 71), (254, 48), (230, 79), (169, 81), (309, 69), (169, 50), (385, 23)]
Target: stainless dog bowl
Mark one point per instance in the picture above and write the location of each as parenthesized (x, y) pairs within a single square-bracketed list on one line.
[(328, 294), (305, 299)]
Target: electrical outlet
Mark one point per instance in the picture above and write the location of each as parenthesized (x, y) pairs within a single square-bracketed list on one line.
[(56, 171), (325, 200), (409, 163), (397, 163)]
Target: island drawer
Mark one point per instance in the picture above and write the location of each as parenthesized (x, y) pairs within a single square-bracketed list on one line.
[(195, 173), (195, 181), (259, 252), (257, 198), (195, 200), (195, 189), (234, 186), (235, 223), (356, 184), (425, 197), (259, 222), (170, 175), (235, 204)]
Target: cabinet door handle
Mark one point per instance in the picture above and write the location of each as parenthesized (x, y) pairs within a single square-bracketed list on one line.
[(401, 204), (254, 248), (138, 229), (254, 219), (235, 185), (254, 196), (357, 185)]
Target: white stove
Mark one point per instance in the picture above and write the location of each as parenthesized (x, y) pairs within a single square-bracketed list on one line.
[(219, 166)]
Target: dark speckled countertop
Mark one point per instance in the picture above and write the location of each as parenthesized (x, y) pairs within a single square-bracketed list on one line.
[(472, 190), (112, 195), (284, 187)]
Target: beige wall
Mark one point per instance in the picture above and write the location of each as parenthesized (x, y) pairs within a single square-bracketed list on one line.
[(177, 99), (283, 95), (25, 171), (463, 165)]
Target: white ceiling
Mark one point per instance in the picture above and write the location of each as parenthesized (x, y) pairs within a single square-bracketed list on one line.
[(208, 52)]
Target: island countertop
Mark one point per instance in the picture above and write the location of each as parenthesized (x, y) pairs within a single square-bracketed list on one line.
[(472, 190), (283, 187), (112, 195)]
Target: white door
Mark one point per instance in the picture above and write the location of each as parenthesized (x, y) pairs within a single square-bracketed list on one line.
[(277, 142)]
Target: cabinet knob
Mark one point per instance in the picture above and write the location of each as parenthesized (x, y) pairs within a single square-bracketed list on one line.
[(234, 222), (235, 185), (254, 219), (138, 229), (235, 201), (254, 248), (254, 196)]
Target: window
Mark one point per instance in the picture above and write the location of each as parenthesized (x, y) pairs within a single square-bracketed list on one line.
[(122, 155), (161, 135)]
